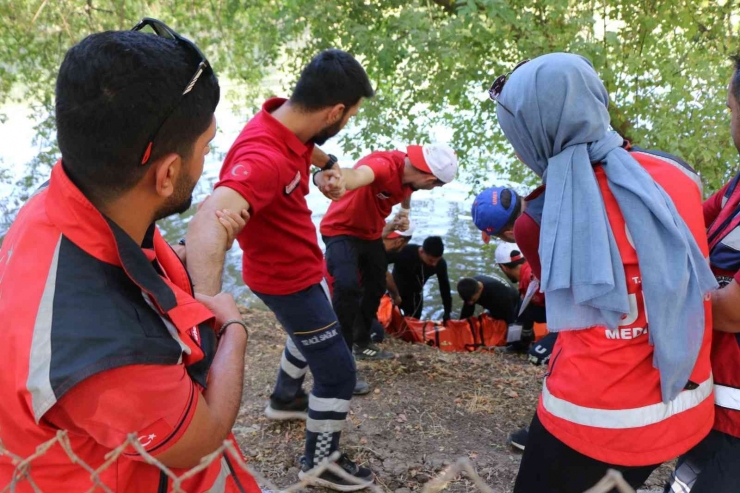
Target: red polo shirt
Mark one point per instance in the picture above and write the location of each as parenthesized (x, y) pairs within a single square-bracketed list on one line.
[(270, 167), (525, 279), (362, 212)]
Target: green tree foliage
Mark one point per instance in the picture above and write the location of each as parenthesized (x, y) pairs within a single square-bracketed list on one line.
[(664, 62)]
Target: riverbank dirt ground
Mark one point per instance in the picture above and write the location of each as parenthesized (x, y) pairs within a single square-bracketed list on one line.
[(428, 408)]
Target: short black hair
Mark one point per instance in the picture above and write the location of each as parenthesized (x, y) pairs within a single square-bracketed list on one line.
[(113, 91), (332, 77), (735, 85), (511, 265), (466, 288), (434, 246), (506, 197)]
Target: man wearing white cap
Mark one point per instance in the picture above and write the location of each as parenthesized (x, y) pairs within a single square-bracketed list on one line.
[(394, 239), (352, 229)]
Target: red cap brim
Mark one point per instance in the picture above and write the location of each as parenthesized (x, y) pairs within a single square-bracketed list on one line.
[(416, 156)]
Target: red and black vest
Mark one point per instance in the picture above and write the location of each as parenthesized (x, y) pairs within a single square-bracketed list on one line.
[(78, 297), (724, 256)]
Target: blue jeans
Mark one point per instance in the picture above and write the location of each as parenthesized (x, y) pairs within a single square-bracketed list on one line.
[(315, 342)]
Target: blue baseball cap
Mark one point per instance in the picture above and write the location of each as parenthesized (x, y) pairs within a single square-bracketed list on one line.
[(488, 214)]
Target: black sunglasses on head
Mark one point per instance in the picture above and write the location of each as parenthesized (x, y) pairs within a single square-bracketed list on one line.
[(162, 30), (494, 92)]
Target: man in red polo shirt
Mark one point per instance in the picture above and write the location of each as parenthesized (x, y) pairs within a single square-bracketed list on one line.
[(103, 336), (353, 226), (267, 172)]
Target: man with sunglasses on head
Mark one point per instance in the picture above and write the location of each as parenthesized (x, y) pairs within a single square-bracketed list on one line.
[(104, 336), (267, 171), (353, 226)]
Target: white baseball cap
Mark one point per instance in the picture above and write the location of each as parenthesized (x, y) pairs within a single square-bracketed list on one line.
[(405, 234), (437, 159), (507, 253)]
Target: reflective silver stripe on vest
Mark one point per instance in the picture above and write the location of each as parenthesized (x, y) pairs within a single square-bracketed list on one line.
[(728, 397), (219, 485), (618, 419), (39, 361)]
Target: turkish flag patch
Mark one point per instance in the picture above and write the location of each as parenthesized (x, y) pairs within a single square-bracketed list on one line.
[(152, 437)]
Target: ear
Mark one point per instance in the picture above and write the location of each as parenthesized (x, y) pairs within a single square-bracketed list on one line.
[(166, 171), (335, 114)]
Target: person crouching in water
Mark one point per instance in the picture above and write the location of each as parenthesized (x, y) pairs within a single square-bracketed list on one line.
[(617, 248)]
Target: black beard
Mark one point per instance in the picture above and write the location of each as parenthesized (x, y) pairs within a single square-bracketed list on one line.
[(179, 202), (175, 208), (512, 279), (327, 133)]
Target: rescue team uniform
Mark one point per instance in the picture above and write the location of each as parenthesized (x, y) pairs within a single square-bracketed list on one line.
[(410, 274), (499, 298), (283, 265), (715, 459), (352, 229), (601, 402), (102, 337)]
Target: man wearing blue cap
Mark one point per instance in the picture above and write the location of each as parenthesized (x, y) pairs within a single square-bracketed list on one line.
[(494, 212)]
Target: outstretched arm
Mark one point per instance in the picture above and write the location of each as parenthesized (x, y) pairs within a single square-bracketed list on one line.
[(207, 240), (392, 288), (444, 288)]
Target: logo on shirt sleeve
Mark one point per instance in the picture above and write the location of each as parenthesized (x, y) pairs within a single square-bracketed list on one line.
[(240, 170), (153, 436), (293, 184)]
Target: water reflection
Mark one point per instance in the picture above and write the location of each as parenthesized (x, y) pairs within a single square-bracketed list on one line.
[(444, 212)]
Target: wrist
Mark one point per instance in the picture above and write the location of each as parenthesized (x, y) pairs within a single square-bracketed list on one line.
[(332, 160), (313, 178), (233, 325), (404, 210)]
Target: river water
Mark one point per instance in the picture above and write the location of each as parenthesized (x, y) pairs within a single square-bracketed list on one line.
[(443, 212)]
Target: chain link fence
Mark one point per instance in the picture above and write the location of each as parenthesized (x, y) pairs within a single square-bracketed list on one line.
[(461, 468)]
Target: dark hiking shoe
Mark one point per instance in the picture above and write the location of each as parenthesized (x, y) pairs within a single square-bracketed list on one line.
[(361, 387), (518, 439), (518, 347), (363, 477), (371, 352), (283, 411)]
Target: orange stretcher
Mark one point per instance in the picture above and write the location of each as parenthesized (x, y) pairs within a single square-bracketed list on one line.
[(471, 334)]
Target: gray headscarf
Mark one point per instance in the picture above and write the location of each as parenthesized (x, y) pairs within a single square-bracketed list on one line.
[(553, 111)]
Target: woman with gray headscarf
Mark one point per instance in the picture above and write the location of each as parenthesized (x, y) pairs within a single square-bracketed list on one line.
[(620, 240)]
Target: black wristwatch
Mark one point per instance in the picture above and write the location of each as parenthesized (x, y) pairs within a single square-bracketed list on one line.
[(332, 161)]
